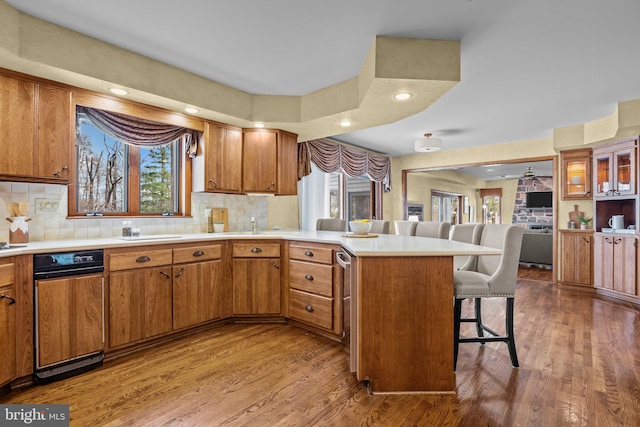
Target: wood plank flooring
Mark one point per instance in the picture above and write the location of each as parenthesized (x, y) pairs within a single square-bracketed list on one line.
[(579, 356)]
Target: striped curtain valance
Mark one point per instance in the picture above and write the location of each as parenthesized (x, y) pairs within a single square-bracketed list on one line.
[(331, 156)]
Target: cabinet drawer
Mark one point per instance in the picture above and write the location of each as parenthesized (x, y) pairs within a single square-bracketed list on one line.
[(197, 253), (309, 308), (256, 250), (7, 274), (315, 278), (140, 259), (311, 254)]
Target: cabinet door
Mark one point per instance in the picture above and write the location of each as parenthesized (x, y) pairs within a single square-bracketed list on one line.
[(7, 335), (576, 174), (287, 182), (69, 318), (17, 114), (256, 286), (223, 159), (569, 256), (602, 167), (53, 141), (196, 293), (259, 162), (583, 259), (602, 262), (624, 167), (140, 304), (624, 264)]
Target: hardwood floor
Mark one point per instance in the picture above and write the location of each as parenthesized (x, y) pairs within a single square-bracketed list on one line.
[(579, 357)]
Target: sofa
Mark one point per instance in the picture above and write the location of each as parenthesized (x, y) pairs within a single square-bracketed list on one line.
[(537, 247)]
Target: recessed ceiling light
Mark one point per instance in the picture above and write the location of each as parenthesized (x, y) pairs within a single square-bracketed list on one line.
[(258, 125), (402, 96), (118, 91), (489, 170), (191, 110), (345, 123)]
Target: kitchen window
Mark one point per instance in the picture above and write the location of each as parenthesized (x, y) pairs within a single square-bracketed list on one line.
[(114, 178)]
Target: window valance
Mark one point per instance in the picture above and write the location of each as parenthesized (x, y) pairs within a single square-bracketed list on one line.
[(331, 156), (137, 131)]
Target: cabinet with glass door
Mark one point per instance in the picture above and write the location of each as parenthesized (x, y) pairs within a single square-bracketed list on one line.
[(576, 174), (614, 169)]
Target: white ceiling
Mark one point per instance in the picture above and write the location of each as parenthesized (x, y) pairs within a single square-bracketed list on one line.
[(527, 66)]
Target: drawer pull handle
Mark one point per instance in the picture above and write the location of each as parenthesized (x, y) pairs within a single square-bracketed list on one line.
[(165, 275), (180, 273), (256, 250), (308, 253), (11, 300), (275, 265), (143, 259), (308, 277), (198, 253), (309, 308)]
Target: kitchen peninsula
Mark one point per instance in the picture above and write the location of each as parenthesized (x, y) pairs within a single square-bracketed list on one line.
[(402, 294)]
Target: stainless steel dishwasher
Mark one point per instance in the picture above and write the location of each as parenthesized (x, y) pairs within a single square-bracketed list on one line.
[(349, 304), (69, 313)]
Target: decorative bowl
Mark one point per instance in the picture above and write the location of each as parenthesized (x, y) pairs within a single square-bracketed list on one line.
[(359, 226)]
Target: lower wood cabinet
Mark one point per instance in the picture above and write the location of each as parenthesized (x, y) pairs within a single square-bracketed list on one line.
[(615, 262), (140, 304), (576, 248), (7, 334), (196, 293), (256, 278)]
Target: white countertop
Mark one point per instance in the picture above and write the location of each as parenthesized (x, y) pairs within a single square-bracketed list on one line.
[(383, 245)]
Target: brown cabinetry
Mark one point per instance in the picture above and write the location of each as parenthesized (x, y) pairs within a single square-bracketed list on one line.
[(576, 174), (223, 159), (576, 248), (7, 323), (615, 262), (69, 318), (614, 169), (269, 162), (35, 129), (315, 288), (197, 282), (256, 278)]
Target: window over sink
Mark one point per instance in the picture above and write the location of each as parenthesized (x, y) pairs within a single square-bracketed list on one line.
[(120, 179)]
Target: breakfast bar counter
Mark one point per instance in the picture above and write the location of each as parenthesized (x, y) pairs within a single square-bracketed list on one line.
[(401, 291)]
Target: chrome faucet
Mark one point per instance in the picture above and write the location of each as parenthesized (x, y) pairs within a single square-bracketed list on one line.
[(254, 226)]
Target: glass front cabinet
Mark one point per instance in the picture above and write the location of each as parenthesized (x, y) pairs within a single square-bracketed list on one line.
[(614, 169), (576, 174)]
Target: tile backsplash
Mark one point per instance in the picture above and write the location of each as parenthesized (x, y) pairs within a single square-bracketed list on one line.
[(49, 221)]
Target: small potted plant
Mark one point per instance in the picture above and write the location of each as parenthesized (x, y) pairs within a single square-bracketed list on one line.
[(583, 222), (218, 227)]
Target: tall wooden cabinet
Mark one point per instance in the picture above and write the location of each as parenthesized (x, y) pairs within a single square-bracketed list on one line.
[(35, 123), (576, 249), (223, 158)]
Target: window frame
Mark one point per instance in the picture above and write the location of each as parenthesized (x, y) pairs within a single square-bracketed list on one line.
[(106, 102)]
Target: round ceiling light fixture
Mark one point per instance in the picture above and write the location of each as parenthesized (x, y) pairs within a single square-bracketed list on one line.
[(345, 123), (118, 91), (402, 96), (258, 125), (428, 144), (191, 110)]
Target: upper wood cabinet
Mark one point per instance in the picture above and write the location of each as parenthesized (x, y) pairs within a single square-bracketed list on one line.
[(614, 169), (269, 162), (35, 128), (576, 174), (223, 159)]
